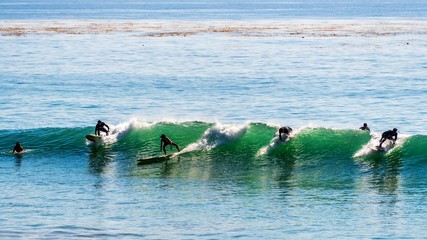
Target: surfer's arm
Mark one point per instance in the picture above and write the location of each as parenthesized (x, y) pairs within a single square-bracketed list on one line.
[(107, 127), (161, 145)]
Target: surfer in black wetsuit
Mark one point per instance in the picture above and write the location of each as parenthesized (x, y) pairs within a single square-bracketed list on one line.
[(164, 141), (18, 148), (390, 135), (101, 127), (365, 127), (284, 130)]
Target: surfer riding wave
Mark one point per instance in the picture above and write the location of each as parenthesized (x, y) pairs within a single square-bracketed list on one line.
[(101, 127)]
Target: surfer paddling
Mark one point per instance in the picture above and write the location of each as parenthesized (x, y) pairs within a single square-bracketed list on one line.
[(164, 141), (390, 135), (285, 131), (101, 127), (365, 127), (18, 148)]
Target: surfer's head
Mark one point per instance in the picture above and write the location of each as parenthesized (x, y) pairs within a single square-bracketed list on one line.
[(162, 136), (394, 129)]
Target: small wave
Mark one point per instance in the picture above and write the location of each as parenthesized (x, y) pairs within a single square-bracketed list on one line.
[(275, 142), (368, 148), (136, 138), (218, 135), (121, 130)]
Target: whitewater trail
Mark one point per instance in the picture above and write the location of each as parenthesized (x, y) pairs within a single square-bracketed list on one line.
[(275, 142), (215, 136), (367, 149), (119, 131)]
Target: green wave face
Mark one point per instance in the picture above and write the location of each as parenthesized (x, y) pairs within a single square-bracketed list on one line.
[(238, 142), (247, 154)]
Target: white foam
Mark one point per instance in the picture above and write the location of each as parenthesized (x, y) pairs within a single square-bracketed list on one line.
[(120, 130), (276, 141), (217, 135), (374, 141)]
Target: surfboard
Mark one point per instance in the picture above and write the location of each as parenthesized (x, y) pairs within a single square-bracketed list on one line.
[(377, 148), (388, 145), (158, 159), (93, 138)]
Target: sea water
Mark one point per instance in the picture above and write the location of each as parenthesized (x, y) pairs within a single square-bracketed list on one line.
[(219, 78)]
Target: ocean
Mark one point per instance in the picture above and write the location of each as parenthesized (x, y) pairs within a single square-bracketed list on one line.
[(219, 78)]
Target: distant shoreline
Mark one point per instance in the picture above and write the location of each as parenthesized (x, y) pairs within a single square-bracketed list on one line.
[(256, 28)]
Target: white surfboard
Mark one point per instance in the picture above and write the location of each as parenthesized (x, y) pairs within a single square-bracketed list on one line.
[(377, 148), (386, 146)]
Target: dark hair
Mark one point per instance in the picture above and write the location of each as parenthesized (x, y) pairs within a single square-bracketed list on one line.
[(162, 136)]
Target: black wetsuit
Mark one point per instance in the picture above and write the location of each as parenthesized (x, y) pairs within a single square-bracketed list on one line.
[(284, 130), (100, 127), (389, 135), (365, 128)]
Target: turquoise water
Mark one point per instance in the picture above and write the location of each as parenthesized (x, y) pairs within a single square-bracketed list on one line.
[(68, 80), (219, 78), (222, 185)]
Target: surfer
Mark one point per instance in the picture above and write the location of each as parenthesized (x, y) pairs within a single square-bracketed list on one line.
[(390, 135), (101, 127), (284, 130), (18, 148), (166, 141), (365, 127)]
